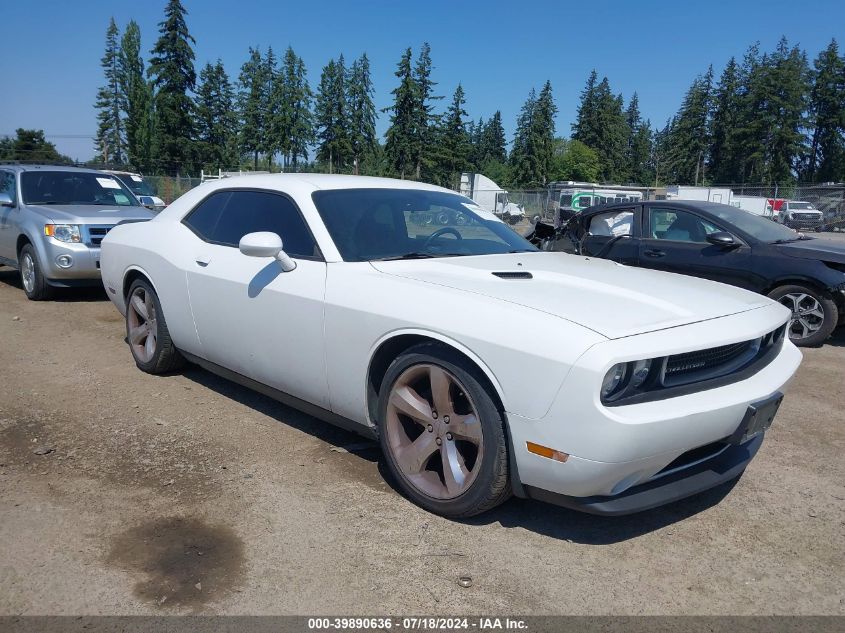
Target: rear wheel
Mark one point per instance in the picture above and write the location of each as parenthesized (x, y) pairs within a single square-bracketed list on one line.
[(32, 278), (442, 435), (814, 313), (147, 333)]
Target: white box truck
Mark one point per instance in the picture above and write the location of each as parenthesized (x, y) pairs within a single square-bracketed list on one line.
[(490, 197), (755, 205), (708, 194)]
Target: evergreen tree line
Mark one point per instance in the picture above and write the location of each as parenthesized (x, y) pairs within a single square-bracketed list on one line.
[(769, 119)]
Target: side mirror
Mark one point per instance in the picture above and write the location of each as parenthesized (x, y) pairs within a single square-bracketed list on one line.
[(266, 244), (147, 201), (6, 200), (723, 239)]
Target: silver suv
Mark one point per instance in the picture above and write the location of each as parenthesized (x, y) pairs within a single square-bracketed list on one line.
[(52, 220)]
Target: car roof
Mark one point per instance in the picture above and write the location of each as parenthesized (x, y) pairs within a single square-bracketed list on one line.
[(688, 205), (46, 167), (321, 182)]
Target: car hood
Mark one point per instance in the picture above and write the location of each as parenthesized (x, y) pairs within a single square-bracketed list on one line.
[(606, 297), (90, 214), (822, 249)]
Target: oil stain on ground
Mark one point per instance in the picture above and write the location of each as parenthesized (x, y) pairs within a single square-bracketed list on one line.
[(184, 561)]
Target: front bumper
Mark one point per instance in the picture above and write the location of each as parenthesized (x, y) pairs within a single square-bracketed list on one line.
[(612, 450), (84, 262), (722, 468)]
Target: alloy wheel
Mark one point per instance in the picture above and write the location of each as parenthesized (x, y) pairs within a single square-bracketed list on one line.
[(433, 431), (28, 272), (807, 314), (142, 330)]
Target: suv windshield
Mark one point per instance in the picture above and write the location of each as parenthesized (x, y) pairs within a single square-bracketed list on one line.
[(74, 187), (137, 184), (801, 205), (369, 224), (758, 227)]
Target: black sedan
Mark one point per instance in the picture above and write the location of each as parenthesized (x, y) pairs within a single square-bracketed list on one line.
[(717, 242)]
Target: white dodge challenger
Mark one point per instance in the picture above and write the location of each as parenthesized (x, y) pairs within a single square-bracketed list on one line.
[(483, 366)]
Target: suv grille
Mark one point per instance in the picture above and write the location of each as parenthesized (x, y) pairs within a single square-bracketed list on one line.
[(96, 234), (810, 217), (680, 364)]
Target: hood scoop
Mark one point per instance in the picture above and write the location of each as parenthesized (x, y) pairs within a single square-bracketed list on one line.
[(513, 274)]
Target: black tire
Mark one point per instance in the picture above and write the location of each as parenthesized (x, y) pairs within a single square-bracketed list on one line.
[(828, 306), (166, 358), (491, 486), (39, 289)]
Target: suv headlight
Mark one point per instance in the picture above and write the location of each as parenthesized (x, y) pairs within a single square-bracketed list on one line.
[(63, 232)]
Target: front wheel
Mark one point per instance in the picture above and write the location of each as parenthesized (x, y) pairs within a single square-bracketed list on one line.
[(147, 333), (442, 435), (814, 313), (32, 278)]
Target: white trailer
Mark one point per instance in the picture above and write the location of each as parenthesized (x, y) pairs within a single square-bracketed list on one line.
[(755, 205), (707, 194), (490, 197)]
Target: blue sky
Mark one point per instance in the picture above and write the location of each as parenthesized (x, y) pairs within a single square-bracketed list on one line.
[(499, 50)]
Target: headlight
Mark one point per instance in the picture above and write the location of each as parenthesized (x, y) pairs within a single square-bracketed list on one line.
[(624, 378), (63, 232), (614, 380)]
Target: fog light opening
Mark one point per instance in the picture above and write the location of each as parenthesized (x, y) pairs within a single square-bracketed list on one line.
[(64, 261), (545, 451)]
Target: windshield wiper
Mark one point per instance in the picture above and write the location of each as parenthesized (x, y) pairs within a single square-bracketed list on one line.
[(415, 255)]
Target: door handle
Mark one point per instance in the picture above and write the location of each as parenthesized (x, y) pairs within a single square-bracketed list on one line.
[(653, 252), (202, 261)]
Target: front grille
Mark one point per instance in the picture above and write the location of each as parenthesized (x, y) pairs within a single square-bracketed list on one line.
[(806, 217), (713, 362), (96, 234), (704, 359)]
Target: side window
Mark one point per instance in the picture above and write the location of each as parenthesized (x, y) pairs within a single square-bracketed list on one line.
[(7, 185), (203, 219), (679, 226), (612, 223), (236, 213)]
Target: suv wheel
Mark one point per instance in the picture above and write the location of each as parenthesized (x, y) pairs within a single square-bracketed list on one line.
[(147, 333), (34, 284), (814, 313)]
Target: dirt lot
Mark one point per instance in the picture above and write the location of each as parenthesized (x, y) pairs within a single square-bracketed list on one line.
[(188, 494)]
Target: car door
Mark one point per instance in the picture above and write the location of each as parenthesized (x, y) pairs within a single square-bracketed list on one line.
[(251, 317), (675, 240), (612, 235), (8, 216)]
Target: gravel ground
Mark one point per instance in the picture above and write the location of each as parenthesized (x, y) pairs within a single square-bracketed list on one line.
[(123, 493)]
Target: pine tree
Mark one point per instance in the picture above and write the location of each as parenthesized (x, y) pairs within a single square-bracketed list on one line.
[(362, 112), (524, 155), (725, 152), (494, 139), (330, 116), (400, 139), (688, 140), (789, 88), (172, 70), (586, 127), (543, 132), (292, 125), (638, 150), (612, 133), (454, 145), (270, 144), (251, 101), (110, 137), (826, 159), (425, 120), (216, 117), (136, 99)]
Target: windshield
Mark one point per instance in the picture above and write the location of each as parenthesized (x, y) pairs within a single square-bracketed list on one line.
[(758, 227), (138, 185), (74, 187), (369, 224), (801, 205)]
